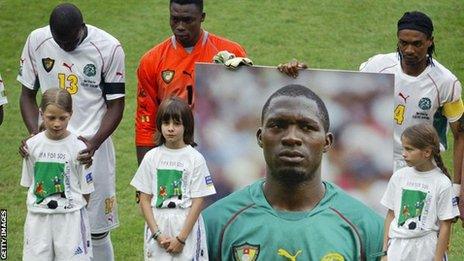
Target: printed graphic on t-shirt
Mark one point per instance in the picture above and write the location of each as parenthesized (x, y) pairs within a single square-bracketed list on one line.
[(412, 204), (169, 188), (48, 178)]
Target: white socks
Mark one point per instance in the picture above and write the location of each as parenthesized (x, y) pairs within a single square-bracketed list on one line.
[(102, 249)]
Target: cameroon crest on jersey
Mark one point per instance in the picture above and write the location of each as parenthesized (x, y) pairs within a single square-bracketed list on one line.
[(167, 76), (246, 251), (48, 64)]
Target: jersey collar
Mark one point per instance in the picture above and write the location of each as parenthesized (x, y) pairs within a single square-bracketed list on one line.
[(257, 195), (203, 36)]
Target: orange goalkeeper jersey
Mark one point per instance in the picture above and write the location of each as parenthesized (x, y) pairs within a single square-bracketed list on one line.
[(168, 69)]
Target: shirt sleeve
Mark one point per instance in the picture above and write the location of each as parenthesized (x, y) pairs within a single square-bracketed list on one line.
[(143, 178), (86, 179), (27, 66), (3, 99), (147, 106), (240, 51), (114, 75), (27, 173), (388, 199), (201, 183), (447, 205), (453, 107)]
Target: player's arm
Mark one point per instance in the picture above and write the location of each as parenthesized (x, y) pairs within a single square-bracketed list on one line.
[(457, 128), (1, 114), (147, 106), (110, 122), (388, 220), (29, 109), (113, 90), (177, 243), (443, 239)]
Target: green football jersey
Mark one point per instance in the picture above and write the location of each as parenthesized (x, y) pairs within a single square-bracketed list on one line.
[(244, 226)]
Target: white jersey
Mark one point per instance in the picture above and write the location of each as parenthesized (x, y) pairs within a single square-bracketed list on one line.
[(83, 72), (419, 200), (52, 173), (3, 99), (173, 177), (417, 99)]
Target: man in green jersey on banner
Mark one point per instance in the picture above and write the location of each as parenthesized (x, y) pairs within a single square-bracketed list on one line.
[(292, 214)]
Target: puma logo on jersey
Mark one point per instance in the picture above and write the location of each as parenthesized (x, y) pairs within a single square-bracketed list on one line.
[(68, 66), (187, 73), (402, 96), (285, 253)]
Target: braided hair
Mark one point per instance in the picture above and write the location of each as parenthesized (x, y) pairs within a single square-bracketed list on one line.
[(423, 136)]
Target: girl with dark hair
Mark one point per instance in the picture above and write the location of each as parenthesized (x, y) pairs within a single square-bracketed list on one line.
[(420, 200), (173, 180)]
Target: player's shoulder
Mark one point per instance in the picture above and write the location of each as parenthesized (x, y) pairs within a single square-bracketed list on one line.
[(103, 41), (40, 35), (155, 52), (441, 73), (349, 207), (230, 205), (380, 62)]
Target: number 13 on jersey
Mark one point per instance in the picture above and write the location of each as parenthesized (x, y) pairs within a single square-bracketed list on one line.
[(399, 114), (69, 83)]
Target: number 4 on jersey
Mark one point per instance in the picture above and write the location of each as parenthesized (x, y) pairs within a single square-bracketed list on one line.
[(72, 81), (399, 114)]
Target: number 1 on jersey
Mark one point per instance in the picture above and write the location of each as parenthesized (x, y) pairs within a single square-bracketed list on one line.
[(71, 79), (399, 114)]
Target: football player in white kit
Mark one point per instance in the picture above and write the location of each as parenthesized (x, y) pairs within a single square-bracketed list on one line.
[(3, 99), (425, 91), (89, 64)]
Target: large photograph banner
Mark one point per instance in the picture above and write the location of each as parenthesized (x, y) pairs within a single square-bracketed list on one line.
[(228, 109)]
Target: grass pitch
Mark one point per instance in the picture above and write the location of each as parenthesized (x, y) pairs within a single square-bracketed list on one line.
[(328, 34)]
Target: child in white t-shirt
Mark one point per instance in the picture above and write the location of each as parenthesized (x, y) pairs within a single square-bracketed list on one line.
[(57, 225), (173, 180), (3, 99), (420, 200)]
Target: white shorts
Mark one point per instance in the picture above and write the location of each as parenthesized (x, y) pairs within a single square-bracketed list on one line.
[(417, 249), (102, 207), (61, 236), (170, 223)]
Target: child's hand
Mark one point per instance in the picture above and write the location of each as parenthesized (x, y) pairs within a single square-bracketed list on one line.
[(163, 241), (175, 246)]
